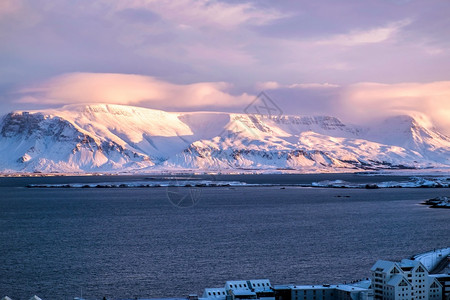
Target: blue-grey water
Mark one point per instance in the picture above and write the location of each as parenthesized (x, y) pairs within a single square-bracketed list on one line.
[(132, 242)]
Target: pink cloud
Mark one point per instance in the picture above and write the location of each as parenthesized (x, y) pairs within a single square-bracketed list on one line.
[(129, 89), (372, 101), (359, 103)]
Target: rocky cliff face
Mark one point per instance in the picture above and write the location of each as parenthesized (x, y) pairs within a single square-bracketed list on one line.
[(44, 143)]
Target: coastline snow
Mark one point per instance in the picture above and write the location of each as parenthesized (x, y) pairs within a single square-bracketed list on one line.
[(432, 258), (186, 181), (183, 182), (413, 182)]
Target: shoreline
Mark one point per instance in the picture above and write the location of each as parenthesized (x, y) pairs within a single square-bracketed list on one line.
[(190, 172)]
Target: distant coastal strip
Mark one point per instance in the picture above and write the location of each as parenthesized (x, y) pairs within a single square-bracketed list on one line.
[(413, 182)]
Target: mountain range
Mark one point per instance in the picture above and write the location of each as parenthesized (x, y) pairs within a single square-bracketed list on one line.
[(104, 138)]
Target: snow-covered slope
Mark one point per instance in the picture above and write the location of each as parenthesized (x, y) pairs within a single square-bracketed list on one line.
[(414, 132), (110, 138)]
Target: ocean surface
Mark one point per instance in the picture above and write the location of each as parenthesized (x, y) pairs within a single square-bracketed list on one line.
[(123, 243)]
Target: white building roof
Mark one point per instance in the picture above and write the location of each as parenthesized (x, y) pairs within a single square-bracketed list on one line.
[(409, 263), (35, 298), (384, 265), (313, 287), (239, 288), (282, 286), (364, 284), (342, 287), (396, 279), (350, 288), (413, 265), (260, 285), (237, 285)]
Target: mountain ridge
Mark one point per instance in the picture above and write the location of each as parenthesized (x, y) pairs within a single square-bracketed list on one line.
[(115, 138)]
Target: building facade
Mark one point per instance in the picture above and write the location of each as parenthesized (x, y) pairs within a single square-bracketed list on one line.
[(444, 280), (330, 292), (406, 280)]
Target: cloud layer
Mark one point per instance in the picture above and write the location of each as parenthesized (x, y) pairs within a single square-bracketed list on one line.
[(359, 103), (129, 89), (241, 42), (367, 102), (372, 101), (211, 54)]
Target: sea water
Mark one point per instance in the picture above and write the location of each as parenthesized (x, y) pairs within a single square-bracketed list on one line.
[(124, 243)]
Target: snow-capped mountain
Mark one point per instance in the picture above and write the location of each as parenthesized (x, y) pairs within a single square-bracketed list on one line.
[(114, 138)]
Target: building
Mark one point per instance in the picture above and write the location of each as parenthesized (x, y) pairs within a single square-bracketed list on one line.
[(406, 280), (444, 280), (263, 290), (215, 293), (349, 292), (330, 292), (241, 289), (282, 292)]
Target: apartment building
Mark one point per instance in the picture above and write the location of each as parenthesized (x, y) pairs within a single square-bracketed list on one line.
[(405, 280)]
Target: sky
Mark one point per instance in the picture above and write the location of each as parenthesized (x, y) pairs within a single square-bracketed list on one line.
[(355, 59)]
